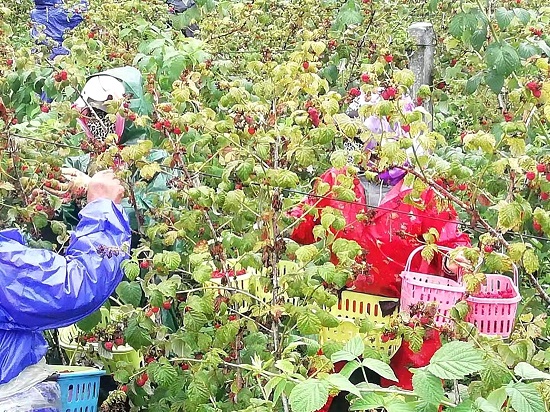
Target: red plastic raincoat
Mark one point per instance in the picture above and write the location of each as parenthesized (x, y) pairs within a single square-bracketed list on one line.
[(388, 238)]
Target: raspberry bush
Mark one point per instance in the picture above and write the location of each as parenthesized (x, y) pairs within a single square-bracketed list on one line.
[(239, 122)]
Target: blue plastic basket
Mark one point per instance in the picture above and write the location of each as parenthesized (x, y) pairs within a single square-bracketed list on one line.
[(79, 388)]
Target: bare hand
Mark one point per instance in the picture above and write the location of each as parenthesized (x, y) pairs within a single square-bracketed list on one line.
[(105, 185)]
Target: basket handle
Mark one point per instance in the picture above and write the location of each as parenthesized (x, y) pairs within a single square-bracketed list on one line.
[(418, 249)]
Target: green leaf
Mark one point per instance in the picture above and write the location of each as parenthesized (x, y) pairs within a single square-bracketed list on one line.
[(455, 360), (523, 15), (485, 405), (162, 373), (497, 397), (530, 261), (495, 373), (342, 383), (495, 81), (462, 23), (524, 397), (171, 260), (473, 83), (367, 401), (327, 319), (129, 293), (527, 371), (504, 17), (308, 323), (502, 58), (90, 321), (122, 376), (427, 386), (309, 396), (338, 159), (306, 253), (131, 269), (527, 50), (381, 368), (351, 350), (399, 405), (135, 335), (348, 14)]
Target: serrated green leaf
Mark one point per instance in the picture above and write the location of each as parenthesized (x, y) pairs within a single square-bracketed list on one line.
[(122, 376), (523, 15), (381, 368), (306, 253), (162, 373), (327, 319), (309, 396), (308, 323), (495, 81), (504, 17), (131, 269), (171, 260), (455, 360), (461, 24), (473, 83), (524, 397), (129, 293), (527, 371), (427, 386), (342, 383), (502, 58), (135, 335), (495, 373), (90, 321), (367, 401), (486, 406), (530, 261), (351, 350), (338, 159)]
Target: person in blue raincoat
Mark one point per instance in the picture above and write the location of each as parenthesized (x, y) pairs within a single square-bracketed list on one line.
[(52, 18), (41, 290)]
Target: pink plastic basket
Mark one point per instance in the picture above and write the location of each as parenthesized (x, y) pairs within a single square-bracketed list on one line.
[(495, 316), (421, 287)]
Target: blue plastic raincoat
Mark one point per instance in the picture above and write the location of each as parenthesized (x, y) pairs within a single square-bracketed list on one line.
[(52, 18), (42, 290)]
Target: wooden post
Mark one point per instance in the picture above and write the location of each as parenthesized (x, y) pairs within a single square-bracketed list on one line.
[(422, 59)]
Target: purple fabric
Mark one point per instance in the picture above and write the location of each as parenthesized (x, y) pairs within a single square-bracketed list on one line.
[(379, 125), (42, 290)]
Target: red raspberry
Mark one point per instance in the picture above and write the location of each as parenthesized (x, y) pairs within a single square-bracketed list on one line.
[(167, 305), (365, 78), (406, 128), (177, 130), (488, 249), (541, 167), (388, 58), (63, 75), (119, 341), (109, 346), (545, 195), (305, 65), (530, 175), (251, 130), (355, 92), (155, 309)]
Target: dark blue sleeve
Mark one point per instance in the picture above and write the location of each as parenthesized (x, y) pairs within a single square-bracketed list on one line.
[(41, 290)]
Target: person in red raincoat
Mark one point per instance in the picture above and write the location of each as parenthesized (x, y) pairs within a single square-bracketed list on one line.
[(388, 230)]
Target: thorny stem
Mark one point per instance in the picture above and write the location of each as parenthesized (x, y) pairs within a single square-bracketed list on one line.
[(477, 217), (274, 254)]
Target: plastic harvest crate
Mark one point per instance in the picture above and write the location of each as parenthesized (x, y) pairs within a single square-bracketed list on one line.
[(248, 282), (79, 388), (495, 316), (123, 353), (421, 287), (354, 306)]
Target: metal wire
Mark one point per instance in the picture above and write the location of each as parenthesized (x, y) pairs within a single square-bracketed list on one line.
[(310, 194)]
